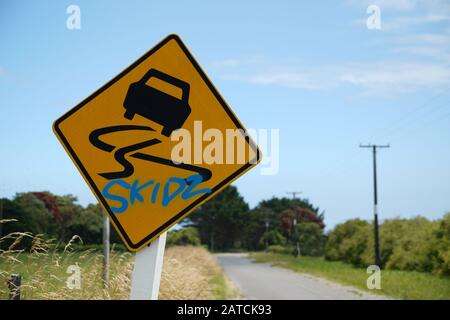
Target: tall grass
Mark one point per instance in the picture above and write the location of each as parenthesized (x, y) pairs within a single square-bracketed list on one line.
[(188, 272)]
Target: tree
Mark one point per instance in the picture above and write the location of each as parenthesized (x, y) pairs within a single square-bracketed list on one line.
[(55, 217), (33, 215), (273, 211), (255, 227), (30, 215), (311, 238), (11, 212), (302, 215), (87, 224), (278, 205), (50, 203), (93, 216), (221, 220), (70, 211)]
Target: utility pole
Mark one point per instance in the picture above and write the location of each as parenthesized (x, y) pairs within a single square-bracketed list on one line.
[(266, 212), (1, 217), (294, 194), (375, 199), (295, 235), (105, 250), (294, 225)]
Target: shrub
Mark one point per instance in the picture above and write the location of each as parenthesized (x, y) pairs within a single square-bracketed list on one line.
[(273, 237), (279, 249), (348, 242), (183, 237), (406, 244), (440, 255), (311, 239)]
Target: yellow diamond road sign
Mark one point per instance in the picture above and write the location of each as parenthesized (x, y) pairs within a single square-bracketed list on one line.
[(156, 142)]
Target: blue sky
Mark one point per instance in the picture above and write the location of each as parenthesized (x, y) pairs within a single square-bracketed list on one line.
[(311, 69)]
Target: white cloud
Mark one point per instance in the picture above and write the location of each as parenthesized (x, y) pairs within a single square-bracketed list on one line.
[(291, 79), (417, 61), (381, 78), (431, 38), (400, 5), (437, 6), (425, 51), (405, 22), (231, 62), (404, 14), (394, 78), (429, 6)]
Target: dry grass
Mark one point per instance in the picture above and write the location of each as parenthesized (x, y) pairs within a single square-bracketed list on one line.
[(188, 272)]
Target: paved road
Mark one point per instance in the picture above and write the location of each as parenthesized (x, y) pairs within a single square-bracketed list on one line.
[(262, 281)]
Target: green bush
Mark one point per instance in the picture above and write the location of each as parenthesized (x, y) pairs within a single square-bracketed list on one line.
[(348, 242), (406, 244), (440, 254), (271, 238), (281, 249), (183, 237), (311, 239)]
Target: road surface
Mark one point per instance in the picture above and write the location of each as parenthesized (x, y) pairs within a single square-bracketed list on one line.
[(262, 281)]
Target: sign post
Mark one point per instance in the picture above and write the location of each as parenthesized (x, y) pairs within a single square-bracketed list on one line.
[(106, 250), (153, 144), (146, 276)]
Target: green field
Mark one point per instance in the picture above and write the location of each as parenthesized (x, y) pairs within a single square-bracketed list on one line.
[(396, 284)]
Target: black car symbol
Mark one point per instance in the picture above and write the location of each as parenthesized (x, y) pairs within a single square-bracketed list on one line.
[(156, 105)]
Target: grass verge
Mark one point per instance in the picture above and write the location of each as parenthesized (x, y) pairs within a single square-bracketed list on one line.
[(223, 288), (188, 273), (397, 284), (193, 273)]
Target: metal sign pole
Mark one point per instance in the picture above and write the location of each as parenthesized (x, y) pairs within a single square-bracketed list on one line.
[(106, 247), (147, 270)]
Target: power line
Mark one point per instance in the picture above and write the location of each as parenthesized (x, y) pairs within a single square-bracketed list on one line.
[(429, 106), (294, 194), (374, 148), (412, 115), (410, 122)]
